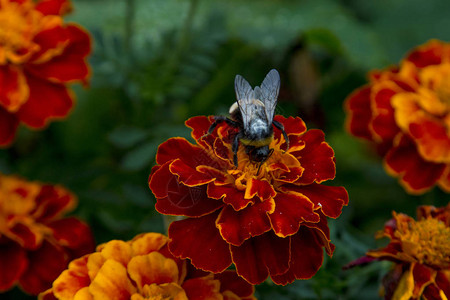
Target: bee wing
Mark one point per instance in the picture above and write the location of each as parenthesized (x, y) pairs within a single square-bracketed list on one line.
[(244, 96), (268, 93)]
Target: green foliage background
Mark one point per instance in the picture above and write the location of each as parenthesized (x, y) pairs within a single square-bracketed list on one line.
[(158, 62)]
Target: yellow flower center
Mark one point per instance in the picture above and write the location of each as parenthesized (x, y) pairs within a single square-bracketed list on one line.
[(18, 25), (427, 240)]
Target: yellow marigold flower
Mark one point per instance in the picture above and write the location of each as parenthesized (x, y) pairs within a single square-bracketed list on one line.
[(143, 268)]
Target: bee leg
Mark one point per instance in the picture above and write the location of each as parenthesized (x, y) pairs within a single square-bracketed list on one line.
[(235, 148), (281, 127), (220, 119)]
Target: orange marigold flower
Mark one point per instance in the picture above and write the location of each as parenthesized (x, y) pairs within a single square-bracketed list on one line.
[(36, 242), (421, 253), (405, 112), (143, 268), (267, 219), (39, 56)]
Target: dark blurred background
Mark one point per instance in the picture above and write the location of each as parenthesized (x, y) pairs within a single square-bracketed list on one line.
[(158, 62)]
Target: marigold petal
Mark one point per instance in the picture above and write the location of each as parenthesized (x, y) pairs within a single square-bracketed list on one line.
[(416, 174), (199, 126), (148, 242), (293, 126), (51, 41), (430, 53), (162, 291), (229, 195), (202, 288), (152, 268), (13, 88), (68, 284), (237, 226), (53, 202), (83, 294), (71, 64), (291, 209), (111, 282), (13, 262), (54, 7), (359, 113), (174, 198), (45, 264), (47, 101), (175, 148), (422, 277), (73, 234), (405, 287), (117, 250), (230, 281), (317, 158), (199, 240), (29, 236), (8, 127), (323, 233), (383, 124), (443, 282), (187, 175), (306, 257), (432, 140), (330, 199), (260, 256)]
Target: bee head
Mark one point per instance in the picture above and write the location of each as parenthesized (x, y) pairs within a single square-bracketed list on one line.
[(260, 154)]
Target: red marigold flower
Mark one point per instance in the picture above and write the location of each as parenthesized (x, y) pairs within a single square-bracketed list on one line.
[(143, 268), (272, 222), (421, 253), (405, 112), (39, 56), (36, 242)]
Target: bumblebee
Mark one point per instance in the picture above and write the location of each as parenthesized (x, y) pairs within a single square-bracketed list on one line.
[(252, 114)]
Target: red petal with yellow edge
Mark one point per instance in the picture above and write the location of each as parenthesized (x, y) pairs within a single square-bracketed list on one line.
[(416, 174), (237, 226), (291, 209), (8, 127), (383, 124), (187, 175), (72, 280), (53, 202), (422, 276), (432, 292), (199, 240), (202, 288), (260, 256), (444, 181), (430, 53), (51, 43), (323, 233), (330, 199), (13, 262), (230, 194), (230, 281), (180, 148), (30, 237), (199, 126), (359, 112), (152, 268), (13, 90), (317, 158), (306, 257), (47, 295), (443, 282), (432, 140), (261, 188), (291, 125), (73, 234), (71, 64), (47, 100), (54, 7), (112, 282), (177, 199), (45, 265)]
